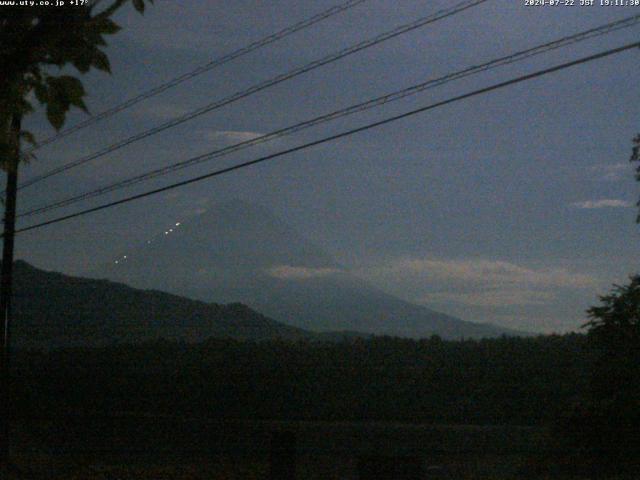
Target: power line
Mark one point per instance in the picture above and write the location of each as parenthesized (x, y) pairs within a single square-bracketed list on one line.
[(360, 107), (217, 62), (402, 29), (331, 138)]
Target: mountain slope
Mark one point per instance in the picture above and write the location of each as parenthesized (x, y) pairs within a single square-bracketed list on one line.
[(241, 252), (52, 309)]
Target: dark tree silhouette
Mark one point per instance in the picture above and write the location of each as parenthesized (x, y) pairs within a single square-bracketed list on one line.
[(35, 42), (610, 426), (614, 330), (635, 158)]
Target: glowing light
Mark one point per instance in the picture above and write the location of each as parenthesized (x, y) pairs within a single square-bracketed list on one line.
[(178, 224), (124, 256), (116, 261), (171, 229)]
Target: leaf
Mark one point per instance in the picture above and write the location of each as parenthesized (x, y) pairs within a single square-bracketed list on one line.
[(72, 91), (67, 87), (72, 86), (28, 137), (82, 63), (101, 61), (42, 94), (62, 92), (55, 115), (107, 26), (139, 5)]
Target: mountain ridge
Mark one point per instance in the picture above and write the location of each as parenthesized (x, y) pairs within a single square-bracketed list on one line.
[(52, 309)]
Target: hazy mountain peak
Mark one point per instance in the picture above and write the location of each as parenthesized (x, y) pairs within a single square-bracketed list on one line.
[(240, 251)]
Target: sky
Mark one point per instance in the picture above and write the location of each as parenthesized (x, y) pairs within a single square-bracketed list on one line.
[(516, 207)]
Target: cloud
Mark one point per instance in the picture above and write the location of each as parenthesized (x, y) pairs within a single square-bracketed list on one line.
[(531, 322), (612, 172), (603, 203), (289, 272), (490, 272), (478, 282), (494, 298)]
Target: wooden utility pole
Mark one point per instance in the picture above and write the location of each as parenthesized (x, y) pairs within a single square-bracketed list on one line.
[(6, 284)]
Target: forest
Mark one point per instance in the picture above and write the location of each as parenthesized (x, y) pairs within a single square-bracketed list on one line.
[(519, 381)]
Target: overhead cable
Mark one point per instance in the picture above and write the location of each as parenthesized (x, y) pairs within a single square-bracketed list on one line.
[(402, 29), (359, 107), (338, 136)]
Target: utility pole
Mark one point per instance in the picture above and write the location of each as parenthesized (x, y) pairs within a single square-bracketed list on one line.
[(6, 284)]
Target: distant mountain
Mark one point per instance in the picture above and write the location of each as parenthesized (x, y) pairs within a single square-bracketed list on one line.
[(241, 252), (53, 310)]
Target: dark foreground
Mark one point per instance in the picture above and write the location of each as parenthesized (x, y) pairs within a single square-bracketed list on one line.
[(381, 408), (138, 447)]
